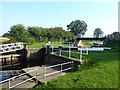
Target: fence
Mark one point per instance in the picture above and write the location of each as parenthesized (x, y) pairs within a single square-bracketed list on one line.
[(15, 77), (4, 48), (58, 71), (81, 52)]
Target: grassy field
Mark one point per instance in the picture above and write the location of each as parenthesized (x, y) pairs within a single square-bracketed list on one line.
[(43, 44), (100, 71), (37, 45), (56, 44)]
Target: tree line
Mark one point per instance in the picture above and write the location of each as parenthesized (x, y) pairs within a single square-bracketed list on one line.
[(30, 35), (20, 33)]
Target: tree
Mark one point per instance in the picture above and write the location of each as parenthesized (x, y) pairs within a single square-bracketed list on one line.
[(98, 32), (77, 27), (37, 34), (115, 35)]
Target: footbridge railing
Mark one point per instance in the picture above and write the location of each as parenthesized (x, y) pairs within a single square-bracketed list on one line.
[(80, 51), (4, 48), (17, 77), (60, 68)]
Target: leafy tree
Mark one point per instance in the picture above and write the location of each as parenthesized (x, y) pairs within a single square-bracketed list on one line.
[(77, 27), (17, 33), (29, 40), (37, 34), (98, 32), (115, 36)]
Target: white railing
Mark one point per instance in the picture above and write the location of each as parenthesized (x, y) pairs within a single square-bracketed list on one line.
[(81, 52), (58, 71), (15, 77), (4, 48)]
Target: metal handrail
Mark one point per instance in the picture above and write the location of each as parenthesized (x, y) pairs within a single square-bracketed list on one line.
[(22, 82), (11, 47), (19, 76), (55, 72), (70, 51), (76, 52), (53, 66)]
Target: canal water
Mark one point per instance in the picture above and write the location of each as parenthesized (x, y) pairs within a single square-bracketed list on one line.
[(8, 74)]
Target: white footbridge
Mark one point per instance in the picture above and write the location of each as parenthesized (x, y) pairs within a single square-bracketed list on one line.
[(5, 48)]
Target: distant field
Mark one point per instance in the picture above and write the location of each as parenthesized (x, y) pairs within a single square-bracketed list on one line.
[(56, 44), (100, 71), (43, 44), (37, 45)]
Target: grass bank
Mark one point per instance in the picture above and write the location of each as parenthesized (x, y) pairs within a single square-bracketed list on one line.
[(100, 71), (43, 44)]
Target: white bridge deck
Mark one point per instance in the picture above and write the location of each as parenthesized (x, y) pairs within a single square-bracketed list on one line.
[(5, 48)]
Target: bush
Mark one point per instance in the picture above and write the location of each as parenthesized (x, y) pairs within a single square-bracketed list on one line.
[(29, 40)]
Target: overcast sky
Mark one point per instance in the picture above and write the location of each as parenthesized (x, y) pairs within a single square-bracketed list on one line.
[(102, 15)]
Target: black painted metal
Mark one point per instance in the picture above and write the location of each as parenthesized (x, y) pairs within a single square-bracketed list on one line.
[(91, 38)]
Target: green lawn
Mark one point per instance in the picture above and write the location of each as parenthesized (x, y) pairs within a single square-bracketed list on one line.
[(37, 45), (100, 71), (42, 44)]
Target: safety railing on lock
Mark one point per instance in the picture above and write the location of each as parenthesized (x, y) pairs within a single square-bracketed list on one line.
[(18, 76), (58, 71), (81, 51)]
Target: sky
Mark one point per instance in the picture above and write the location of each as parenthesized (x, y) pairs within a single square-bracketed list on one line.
[(102, 15)]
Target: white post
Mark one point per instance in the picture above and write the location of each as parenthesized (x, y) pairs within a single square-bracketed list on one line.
[(9, 83), (81, 55), (61, 69), (52, 49), (45, 75), (36, 75), (87, 51), (69, 51), (72, 65), (60, 52)]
